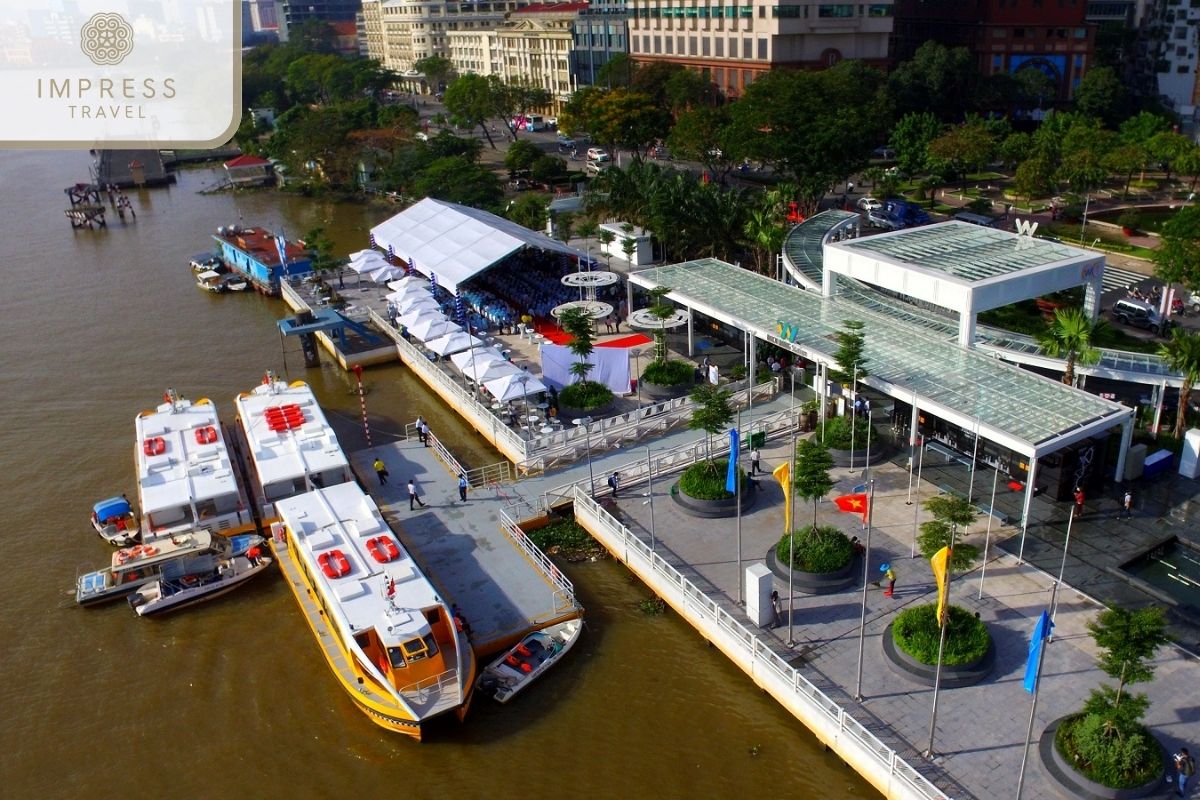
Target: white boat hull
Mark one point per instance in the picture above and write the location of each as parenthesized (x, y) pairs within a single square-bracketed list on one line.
[(513, 671), (162, 596)]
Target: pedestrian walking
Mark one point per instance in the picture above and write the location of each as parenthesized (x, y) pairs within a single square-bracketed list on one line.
[(1127, 505), (462, 486), (381, 470), (1185, 768), (755, 460), (413, 496), (775, 609), (614, 483), (420, 426), (1079, 498), (889, 575)]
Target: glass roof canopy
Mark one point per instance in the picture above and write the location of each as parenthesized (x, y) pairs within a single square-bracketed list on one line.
[(1021, 409), (969, 253)]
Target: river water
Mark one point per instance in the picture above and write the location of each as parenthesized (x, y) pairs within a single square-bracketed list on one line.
[(233, 699)]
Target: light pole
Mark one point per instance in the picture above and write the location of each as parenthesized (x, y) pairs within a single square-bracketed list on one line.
[(637, 354), (650, 494), (523, 378), (587, 432), (1087, 199)]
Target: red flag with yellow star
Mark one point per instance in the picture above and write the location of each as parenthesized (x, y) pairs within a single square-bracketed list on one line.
[(853, 504)]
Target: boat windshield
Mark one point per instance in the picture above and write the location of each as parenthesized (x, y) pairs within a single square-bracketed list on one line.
[(396, 657), (421, 647)]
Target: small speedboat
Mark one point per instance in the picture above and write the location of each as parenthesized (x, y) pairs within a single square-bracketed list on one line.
[(115, 521), (530, 657), (203, 262), (194, 580), (211, 281)]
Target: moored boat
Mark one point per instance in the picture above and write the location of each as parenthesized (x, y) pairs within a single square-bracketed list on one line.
[(115, 521), (529, 658), (202, 262), (388, 636), (186, 581), (185, 476), (291, 447)]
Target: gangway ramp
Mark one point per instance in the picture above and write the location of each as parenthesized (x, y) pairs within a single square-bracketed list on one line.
[(473, 552)]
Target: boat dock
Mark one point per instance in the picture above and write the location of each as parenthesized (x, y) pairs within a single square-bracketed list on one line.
[(473, 551)]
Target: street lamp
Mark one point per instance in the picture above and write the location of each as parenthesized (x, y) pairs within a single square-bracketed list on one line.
[(637, 353), (523, 378), (587, 432)]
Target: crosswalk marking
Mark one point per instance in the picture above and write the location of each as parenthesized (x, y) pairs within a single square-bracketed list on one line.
[(1117, 278)]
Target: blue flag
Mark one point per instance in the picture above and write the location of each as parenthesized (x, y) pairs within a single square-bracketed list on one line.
[(731, 474), (1040, 632), (281, 247)]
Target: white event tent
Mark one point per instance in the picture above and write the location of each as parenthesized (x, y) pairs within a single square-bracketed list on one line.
[(452, 343), (510, 387), (455, 243), (478, 357), (433, 328)]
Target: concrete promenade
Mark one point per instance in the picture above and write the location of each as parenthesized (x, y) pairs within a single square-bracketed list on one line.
[(980, 730)]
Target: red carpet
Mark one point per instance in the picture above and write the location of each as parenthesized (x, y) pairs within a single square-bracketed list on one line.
[(555, 334)]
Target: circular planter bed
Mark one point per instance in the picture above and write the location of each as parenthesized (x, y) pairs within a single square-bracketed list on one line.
[(842, 458), (807, 582), (660, 392), (923, 674), (722, 505), (568, 414), (1071, 784)]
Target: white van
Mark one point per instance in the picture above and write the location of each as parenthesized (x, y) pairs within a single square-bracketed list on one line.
[(534, 122)]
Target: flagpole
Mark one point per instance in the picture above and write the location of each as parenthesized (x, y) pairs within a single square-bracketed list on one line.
[(789, 525), (1061, 569), (987, 539), (937, 678), (650, 487), (974, 458), (862, 624), (1037, 684), (913, 436), (738, 479), (917, 504)]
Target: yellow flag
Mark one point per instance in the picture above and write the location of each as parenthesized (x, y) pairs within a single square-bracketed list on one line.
[(941, 567), (783, 474)]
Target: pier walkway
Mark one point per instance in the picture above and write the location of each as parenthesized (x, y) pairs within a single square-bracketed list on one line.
[(980, 729)]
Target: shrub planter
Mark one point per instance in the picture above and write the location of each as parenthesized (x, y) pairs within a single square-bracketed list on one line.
[(660, 392), (841, 458), (567, 413), (1071, 784), (817, 582), (953, 675), (715, 509)]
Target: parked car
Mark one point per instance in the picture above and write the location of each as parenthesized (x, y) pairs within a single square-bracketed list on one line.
[(597, 154), (1139, 314), (897, 214), (869, 203)]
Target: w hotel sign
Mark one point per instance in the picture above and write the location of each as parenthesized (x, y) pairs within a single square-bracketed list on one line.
[(118, 74)]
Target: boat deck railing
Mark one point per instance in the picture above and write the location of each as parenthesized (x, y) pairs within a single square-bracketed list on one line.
[(563, 595), (434, 694), (891, 773)]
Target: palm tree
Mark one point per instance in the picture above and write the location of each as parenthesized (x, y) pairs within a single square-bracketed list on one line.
[(1182, 354), (765, 235), (1070, 336)]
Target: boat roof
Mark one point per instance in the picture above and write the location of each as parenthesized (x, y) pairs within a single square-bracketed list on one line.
[(344, 518), (208, 275), (281, 452), (165, 549), (112, 507), (187, 471)]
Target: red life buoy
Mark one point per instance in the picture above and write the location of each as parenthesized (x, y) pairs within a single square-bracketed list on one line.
[(206, 435), (154, 446), (149, 550)]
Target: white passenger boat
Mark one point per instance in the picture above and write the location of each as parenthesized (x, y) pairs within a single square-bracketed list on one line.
[(133, 567), (115, 521), (386, 633), (290, 446), (528, 659), (187, 581), (185, 477)]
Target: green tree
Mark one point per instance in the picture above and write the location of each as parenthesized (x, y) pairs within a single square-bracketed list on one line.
[(1014, 149), (625, 119), (606, 238), (1167, 147), (578, 324), (617, 71), (1141, 128), (458, 180), (446, 144), (937, 79), (1177, 259), (1188, 163), (766, 235), (812, 480), (320, 249), (1034, 88), (548, 169), (530, 210), (1127, 641), (512, 101), (1182, 354), (1102, 94), (910, 139), (1124, 161), (850, 353), (705, 135), (1071, 336), (950, 514), (1083, 165), (661, 310), (1034, 177), (438, 69), (521, 155), (470, 100), (711, 412), (964, 148)]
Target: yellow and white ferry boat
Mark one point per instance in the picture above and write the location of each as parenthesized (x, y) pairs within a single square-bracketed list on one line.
[(387, 634), (290, 446), (185, 479)]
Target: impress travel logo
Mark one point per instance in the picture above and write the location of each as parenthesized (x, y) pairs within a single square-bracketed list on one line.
[(120, 73)]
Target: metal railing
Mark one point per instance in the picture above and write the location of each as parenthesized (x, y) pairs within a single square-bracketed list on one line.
[(441, 684), (543, 562), (755, 656)]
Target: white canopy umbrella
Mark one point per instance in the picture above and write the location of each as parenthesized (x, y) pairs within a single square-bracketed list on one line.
[(412, 290), (384, 273), (415, 317), (367, 261), (417, 303), (404, 283), (452, 343), (514, 387), (433, 329), (479, 357), (491, 371)]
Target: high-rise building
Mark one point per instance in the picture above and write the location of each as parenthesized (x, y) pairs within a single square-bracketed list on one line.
[(400, 33), (732, 42), (1005, 36), (294, 12), (600, 34), (1171, 38)]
